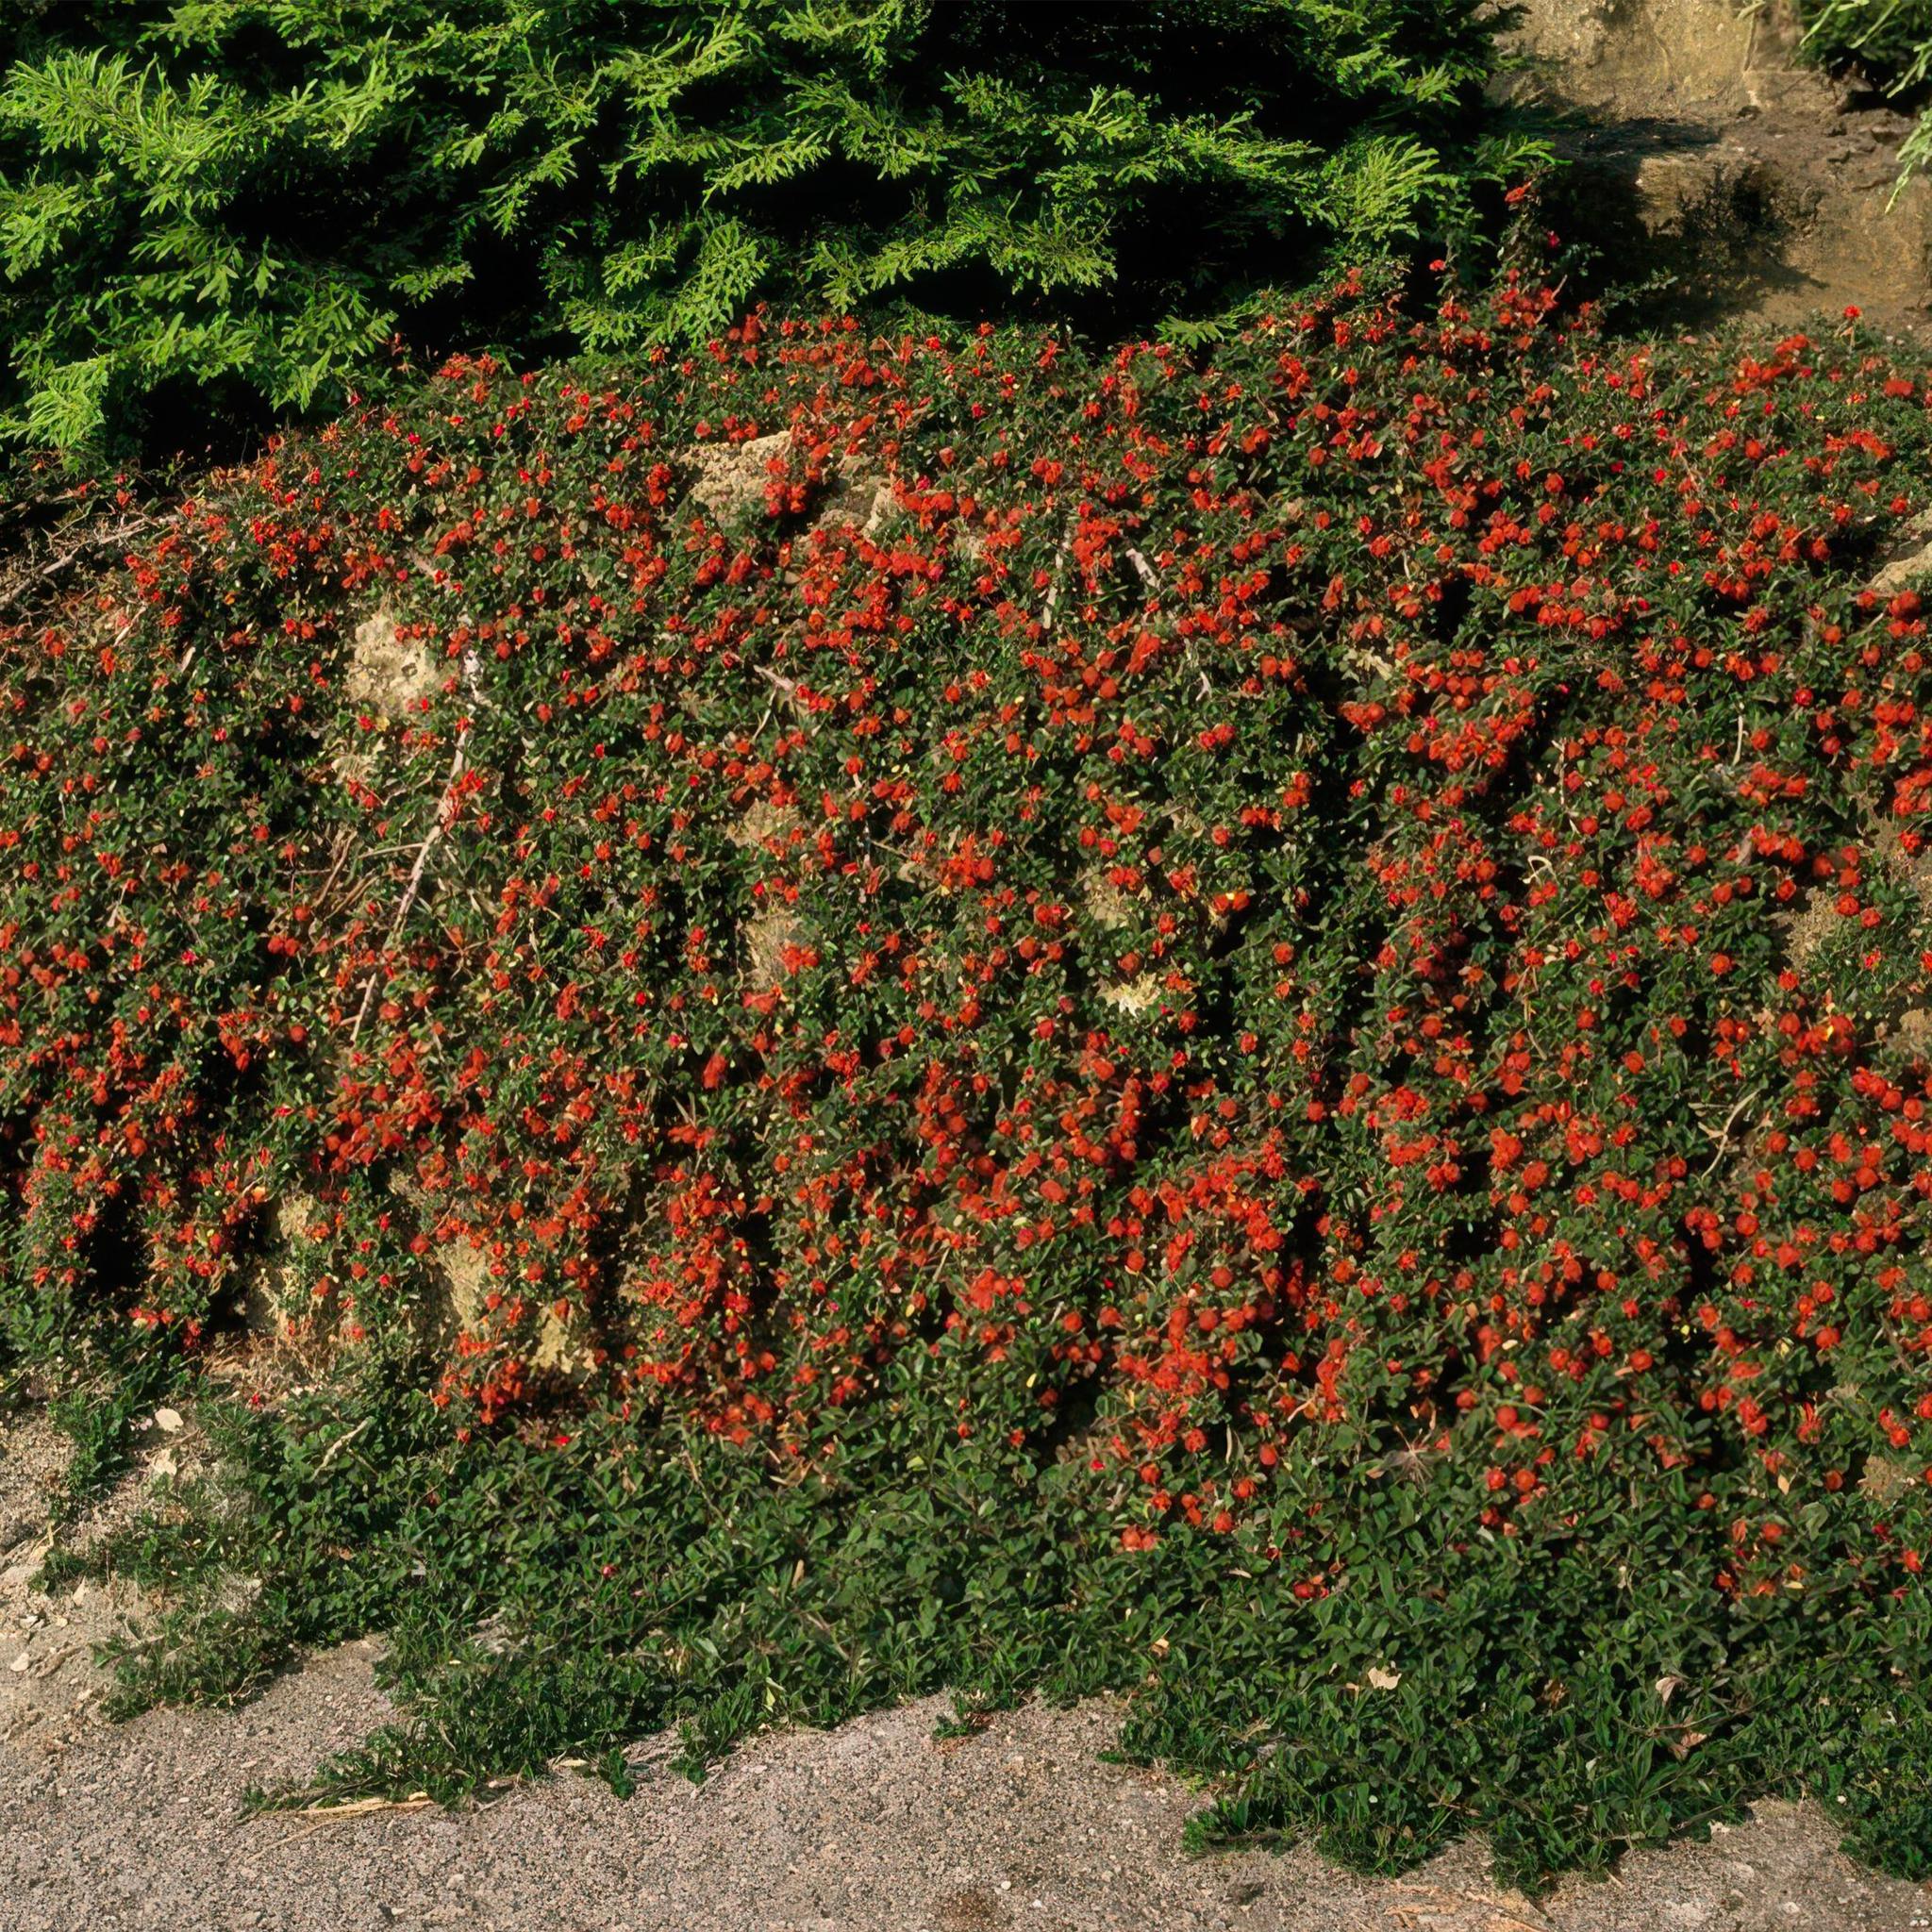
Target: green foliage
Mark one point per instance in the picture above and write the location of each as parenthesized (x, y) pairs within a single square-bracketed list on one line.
[(932, 1011), (244, 200), (1890, 40)]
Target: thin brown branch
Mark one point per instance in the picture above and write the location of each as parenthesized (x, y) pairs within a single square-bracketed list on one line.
[(87, 544), (444, 812)]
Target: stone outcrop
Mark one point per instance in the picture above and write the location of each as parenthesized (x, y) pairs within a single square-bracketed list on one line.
[(1708, 150)]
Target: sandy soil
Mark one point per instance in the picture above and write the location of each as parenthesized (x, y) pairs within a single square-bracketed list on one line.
[(875, 1827), (1709, 148)]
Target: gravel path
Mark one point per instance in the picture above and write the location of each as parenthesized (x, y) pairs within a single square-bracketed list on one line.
[(874, 1828), (871, 1827)]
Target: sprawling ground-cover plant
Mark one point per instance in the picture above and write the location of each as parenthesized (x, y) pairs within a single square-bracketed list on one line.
[(923, 1012)]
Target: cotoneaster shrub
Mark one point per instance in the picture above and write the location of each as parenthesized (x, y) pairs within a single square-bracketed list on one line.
[(238, 203), (910, 1012)]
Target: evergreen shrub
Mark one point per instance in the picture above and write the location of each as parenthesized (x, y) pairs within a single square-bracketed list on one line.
[(238, 202)]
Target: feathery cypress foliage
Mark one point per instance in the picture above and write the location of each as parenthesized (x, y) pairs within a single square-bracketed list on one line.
[(246, 199)]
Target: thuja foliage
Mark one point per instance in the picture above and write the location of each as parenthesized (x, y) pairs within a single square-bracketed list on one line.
[(246, 199), (926, 1012)]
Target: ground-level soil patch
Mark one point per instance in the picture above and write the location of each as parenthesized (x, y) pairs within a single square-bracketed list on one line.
[(873, 1826)]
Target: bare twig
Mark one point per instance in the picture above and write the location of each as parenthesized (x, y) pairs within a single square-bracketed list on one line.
[(344, 844), (1504, 1911), (789, 690), (341, 1442), (89, 543), (365, 1807), (325, 1815), (444, 808), (1053, 589), (1723, 1137)]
